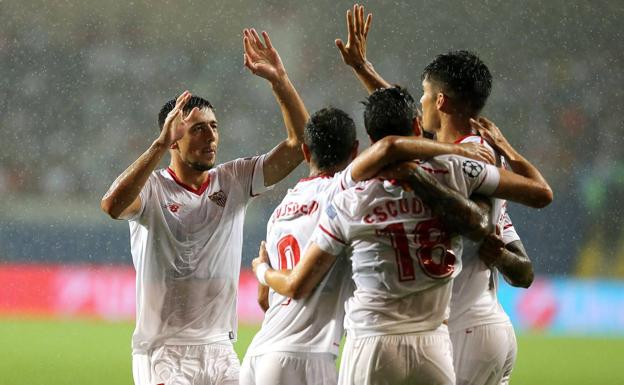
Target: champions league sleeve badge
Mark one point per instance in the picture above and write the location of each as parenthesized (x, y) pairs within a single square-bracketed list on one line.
[(472, 168)]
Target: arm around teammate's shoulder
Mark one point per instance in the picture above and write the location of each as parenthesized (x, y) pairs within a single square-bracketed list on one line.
[(392, 149), (520, 189), (526, 184)]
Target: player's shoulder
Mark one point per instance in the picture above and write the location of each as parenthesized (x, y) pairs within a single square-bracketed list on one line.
[(473, 138), (452, 167), (237, 163), (354, 200)]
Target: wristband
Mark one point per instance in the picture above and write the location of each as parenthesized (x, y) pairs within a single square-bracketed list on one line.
[(260, 271)]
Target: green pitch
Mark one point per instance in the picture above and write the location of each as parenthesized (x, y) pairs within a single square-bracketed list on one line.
[(43, 352)]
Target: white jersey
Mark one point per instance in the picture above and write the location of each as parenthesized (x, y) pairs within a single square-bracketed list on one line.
[(403, 259), (474, 301), (313, 324), (186, 247)]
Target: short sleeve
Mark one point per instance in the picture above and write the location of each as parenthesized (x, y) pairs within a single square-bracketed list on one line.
[(479, 177), (341, 182), (330, 233), (250, 173), (145, 196)]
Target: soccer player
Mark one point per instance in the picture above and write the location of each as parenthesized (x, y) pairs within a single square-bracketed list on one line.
[(456, 86), (186, 227), (403, 259), (299, 339)]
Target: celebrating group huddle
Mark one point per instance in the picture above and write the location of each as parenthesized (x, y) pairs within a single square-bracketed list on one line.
[(399, 247)]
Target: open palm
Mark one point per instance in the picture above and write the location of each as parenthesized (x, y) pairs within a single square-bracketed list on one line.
[(261, 58)]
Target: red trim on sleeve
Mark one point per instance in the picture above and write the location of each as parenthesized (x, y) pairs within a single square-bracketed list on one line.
[(433, 170), (507, 226), (331, 235), (198, 191)]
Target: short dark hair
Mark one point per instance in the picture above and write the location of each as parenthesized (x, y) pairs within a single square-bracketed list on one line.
[(194, 101), (330, 136), (389, 111), (462, 75)]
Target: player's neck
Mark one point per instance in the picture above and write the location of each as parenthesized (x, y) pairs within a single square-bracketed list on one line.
[(315, 171), (453, 128), (188, 175)]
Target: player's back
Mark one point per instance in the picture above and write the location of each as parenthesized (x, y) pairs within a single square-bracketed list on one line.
[(403, 259), (312, 324)]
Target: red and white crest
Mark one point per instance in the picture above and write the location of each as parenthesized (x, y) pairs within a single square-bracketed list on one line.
[(219, 198)]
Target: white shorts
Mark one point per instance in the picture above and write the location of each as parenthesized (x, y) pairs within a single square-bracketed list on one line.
[(484, 355), (414, 359), (212, 364), (289, 368)]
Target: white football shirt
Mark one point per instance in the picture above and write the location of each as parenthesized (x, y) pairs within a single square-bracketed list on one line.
[(313, 324), (474, 300), (403, 259), (186, 248)]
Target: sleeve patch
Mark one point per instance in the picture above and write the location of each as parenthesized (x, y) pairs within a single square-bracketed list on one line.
[(471, 168)]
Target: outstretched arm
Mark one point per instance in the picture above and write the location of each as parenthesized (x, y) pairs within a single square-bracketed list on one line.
[(122, 198), (354, 52), (511, 260), (302, 279), (532, 190), (392, 149), (263, 60), (460, 214)]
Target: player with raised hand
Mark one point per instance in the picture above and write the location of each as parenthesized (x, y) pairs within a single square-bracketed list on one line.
[(299, 339), (403, 260), (456, 86), (186, 227)]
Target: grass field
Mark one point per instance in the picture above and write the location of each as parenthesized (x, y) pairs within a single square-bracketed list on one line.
[(44, 352)]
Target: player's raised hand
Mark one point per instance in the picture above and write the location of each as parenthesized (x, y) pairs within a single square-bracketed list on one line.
[(261, 58), (478, 152), (173, 129), (492, 248), (490, 132), (263, 257), (354, 51)]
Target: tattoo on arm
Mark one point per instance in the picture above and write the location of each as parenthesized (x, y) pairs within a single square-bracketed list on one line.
[(515, 265), (459, 214)]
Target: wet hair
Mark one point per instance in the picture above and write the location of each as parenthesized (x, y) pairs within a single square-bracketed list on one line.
[(194, 101), (330, 136), (389, 111), (461, 75)]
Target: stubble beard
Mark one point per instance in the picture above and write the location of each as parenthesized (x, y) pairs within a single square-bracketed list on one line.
[(199, 166)]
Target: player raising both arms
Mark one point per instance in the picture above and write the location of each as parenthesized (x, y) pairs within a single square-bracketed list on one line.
[(456, 86), (186, 226), (403, 259)]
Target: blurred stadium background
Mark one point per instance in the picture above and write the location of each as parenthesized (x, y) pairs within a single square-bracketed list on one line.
[(81, 86)]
